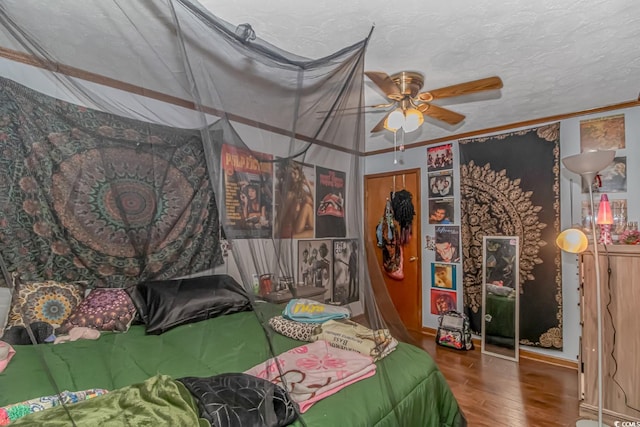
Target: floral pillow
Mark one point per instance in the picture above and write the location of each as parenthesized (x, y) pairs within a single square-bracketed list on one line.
[(104, 309), (49, 301)]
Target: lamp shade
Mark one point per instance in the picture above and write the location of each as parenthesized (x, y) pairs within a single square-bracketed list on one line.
[(408, 120), (589, 163), (604, 211), (394, 121), (412, 120), (572, 240)]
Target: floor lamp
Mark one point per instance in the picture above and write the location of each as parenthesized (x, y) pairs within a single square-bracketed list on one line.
[(587, 165)]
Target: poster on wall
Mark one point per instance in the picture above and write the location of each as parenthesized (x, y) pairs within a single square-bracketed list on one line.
[(613, 178), (448, 243), (439, 158), (441, 184), (294, 200), (248, 181), (330, 206), (346, 288), (315, 265), (441, 211), (443, 276), (443, 301), (604, 133)]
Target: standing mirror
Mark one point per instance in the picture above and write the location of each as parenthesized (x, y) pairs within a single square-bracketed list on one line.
[(500, 296)]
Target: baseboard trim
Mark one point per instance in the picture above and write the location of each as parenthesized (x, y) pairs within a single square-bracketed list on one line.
[(524, 353)]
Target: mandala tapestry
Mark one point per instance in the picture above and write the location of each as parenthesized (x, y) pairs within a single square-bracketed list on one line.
[(92, 196), (510, 187)]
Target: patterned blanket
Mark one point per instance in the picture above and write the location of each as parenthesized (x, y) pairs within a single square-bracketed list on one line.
[(314, 371)]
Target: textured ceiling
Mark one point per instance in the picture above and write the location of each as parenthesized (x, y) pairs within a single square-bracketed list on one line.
[(554, 57)]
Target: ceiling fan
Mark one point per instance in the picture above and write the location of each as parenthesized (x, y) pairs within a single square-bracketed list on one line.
[(403, 90)]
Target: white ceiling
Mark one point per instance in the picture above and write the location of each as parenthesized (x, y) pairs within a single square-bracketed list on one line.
[(554, 56)]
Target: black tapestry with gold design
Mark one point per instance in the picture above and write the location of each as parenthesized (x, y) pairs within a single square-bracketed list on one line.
[(510, 187), (86, 195)]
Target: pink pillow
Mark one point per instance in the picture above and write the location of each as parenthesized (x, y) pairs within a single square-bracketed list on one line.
[(104, 309)]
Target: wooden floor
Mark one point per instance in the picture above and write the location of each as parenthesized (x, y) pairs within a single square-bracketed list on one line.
[(497, 392)]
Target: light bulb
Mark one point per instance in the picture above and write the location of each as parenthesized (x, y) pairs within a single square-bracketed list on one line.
[(412, 120), (394, 121)]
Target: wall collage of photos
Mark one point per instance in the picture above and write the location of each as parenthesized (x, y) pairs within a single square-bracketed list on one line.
[(446, 243), (293, 200)]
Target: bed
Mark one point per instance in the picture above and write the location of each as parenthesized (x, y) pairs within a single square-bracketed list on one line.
[(407, 390)]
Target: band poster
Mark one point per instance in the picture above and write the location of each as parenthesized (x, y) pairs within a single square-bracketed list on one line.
[(330, 209), (345, 271), (248, 196)]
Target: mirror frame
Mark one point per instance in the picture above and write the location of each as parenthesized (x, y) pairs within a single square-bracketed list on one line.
[(486, 239)]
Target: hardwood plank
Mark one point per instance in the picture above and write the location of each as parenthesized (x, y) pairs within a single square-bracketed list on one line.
[(497, 392)]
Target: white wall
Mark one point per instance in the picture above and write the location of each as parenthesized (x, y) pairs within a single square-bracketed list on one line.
[(569, 144)]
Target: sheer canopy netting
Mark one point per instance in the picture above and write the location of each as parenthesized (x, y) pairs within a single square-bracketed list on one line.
[(145, 142)]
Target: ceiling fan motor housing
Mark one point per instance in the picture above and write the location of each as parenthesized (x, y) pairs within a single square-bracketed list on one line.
[(409, 82)]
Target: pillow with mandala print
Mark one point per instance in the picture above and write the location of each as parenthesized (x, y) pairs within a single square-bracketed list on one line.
[(104, 309), (49, 301)]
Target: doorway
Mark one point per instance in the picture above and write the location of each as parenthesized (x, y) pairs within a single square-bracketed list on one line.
[(406, 294)]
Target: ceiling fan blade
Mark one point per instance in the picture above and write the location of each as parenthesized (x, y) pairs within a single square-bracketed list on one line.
[(375, 106), (384, 82), (490, 83), (440, 113), (380, 125)]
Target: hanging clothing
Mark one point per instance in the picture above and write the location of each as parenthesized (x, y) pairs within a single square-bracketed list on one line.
[(388, 238), (403, 213)]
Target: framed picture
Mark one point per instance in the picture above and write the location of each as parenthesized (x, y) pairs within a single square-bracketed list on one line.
[(441, 184), (439, 158), (443, 301), (315, 265), (346, 287), (447, 243), (604, 133), (441, 211), (613, 178), (443, 276)]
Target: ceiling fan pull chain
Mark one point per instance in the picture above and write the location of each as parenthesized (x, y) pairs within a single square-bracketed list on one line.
[(395, 143)]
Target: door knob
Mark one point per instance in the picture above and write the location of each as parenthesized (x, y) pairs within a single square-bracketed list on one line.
[(413, 258)]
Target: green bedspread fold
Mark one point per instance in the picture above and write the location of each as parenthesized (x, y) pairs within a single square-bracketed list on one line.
[(158, 401)]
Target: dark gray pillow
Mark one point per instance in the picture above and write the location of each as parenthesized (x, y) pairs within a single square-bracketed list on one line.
[(165, 304), (239, 400)]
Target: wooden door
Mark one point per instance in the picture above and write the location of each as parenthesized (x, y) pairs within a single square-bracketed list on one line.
[(406, 294)]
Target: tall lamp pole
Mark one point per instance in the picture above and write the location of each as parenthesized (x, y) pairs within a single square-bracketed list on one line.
[(587, 165)]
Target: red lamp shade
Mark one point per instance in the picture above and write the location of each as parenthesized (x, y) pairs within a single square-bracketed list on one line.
[(604, 211)]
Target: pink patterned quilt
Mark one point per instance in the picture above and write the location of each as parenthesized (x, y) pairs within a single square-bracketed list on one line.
[(314, 371)]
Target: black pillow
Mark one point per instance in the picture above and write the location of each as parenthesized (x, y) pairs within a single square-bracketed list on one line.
[(238, 400), (165, 304)]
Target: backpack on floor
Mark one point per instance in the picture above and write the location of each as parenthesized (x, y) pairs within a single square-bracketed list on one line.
[(454, 331)]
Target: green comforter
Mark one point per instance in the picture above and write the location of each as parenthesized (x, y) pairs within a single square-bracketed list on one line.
[(158, 401), (407, 390)]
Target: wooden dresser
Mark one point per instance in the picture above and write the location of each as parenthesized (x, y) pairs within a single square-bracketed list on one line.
[(621, 351)]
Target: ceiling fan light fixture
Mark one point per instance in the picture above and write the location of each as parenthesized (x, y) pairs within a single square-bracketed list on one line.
[(408, 120), (394, 121), (413, 119)]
